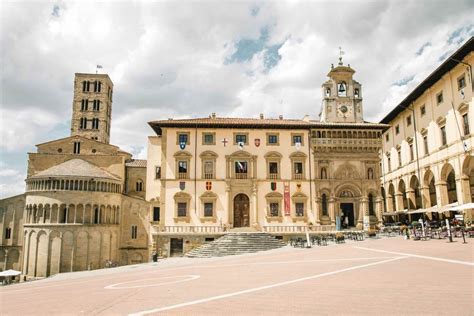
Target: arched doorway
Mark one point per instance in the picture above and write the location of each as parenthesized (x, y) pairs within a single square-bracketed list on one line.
[(348, 212), (241, 210)]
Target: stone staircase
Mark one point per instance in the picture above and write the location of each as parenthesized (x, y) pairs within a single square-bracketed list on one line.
[(236, 243)]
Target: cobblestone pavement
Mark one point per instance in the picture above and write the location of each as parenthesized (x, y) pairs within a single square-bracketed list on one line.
[(389, 276)]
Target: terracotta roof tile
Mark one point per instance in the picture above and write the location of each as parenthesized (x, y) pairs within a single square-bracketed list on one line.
[(136, 163), (76, 168)]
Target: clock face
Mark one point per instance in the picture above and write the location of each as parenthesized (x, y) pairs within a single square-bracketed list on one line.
[(344, 110)]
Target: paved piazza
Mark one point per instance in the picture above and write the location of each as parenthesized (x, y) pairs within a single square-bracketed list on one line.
[(387, 276)]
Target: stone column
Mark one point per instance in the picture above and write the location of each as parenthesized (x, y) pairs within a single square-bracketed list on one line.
[(441, 193), (317, 211), (332, 213), (379, 209), (425, 197), (411, 199), (463, 189), (363, 209), (389, 199), (230, 219), (399, 201), (254, 206)]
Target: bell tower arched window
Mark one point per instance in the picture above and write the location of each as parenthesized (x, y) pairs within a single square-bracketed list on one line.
[(341, 89)]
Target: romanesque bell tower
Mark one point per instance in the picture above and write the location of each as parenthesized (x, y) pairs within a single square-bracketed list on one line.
[(92, 106), (342, 96)]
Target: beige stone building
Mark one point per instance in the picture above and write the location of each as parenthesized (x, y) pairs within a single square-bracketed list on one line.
[(427, 152), (84, 203), (211, 175)]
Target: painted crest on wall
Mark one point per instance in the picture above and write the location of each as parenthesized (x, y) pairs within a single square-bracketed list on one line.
[(241, 145), (273, 186), (208, 185), (257, 142), (182, 145), (182, 185)]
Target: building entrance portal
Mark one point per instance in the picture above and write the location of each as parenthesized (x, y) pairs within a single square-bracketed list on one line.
[(241, 211), (347, 218)]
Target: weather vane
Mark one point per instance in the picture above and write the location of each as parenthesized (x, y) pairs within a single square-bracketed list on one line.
[(341, 52)]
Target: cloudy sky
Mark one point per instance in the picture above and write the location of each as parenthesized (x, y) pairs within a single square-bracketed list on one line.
[(238, 58)]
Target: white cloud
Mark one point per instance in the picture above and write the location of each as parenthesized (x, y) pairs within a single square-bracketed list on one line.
[(167, 59)]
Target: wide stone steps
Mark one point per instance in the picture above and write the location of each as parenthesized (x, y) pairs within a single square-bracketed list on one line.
[(236, 243)]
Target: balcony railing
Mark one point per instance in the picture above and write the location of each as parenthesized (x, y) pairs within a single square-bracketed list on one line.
[(209, 176), (189, 229), (241, 175), (182, 175), (273, 176), (298, 176), (296, 228)]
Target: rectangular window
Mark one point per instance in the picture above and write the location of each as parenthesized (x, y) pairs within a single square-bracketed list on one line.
[(274, 209), (182, 209), (209, 139), (297, 139), (208, 169), (299, 209), (273, 170), (399, 152), (156, 214), (272, 139), (157, 172), (183, 138), (241, 169), (298, 170), (182, 169), (241, 138), (77, 147), (439, 98), (208, 209), (425, 143), (409, 120), (411, 152), (389, 163), (387, 137), (397, 129), (465, 120), (423, 110), (443, 136), (461, 82), (134, 232), (8, 233)]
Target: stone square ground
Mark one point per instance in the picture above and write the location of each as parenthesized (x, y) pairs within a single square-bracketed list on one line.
[(388, 276)]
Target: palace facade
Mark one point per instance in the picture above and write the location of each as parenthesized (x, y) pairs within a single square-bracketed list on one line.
[(210, 175), (427, 160)]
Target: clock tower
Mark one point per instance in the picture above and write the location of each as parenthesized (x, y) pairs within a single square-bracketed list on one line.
[(342, 96)]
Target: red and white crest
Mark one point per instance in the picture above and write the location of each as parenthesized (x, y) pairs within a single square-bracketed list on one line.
[(257, 142)]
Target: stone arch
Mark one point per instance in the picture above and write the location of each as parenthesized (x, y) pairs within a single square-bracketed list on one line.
[(94, 250), (449, 176), (414, 199), (81, 251), (468, 172), (429, 182), (347, 171), (66, 251), (403, 191), (354, 189), (54, 252), (391, 193), (42, 254), (32, 246)]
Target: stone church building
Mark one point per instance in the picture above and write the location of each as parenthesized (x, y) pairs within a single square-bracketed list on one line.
[(84, 205), (210, 175)]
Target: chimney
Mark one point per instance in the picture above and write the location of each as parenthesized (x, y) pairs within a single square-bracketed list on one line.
[(280, 117), (261, 116), (213, 115)]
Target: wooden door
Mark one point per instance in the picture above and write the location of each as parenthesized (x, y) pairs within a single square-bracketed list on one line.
[(241, 211)]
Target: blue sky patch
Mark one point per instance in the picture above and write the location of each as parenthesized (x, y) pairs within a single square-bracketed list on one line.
[(254, 11), (247, 48), (55, 11), (422, 48), (404, 81)]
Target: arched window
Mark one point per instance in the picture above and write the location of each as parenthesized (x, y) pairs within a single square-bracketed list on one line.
[(139, 186), (324, 174), (328, 92), (341, 89), (324, 204), (371, 205)]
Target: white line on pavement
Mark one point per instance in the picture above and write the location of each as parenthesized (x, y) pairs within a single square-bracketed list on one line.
[(223, 296), (418, 256), (185, 278)]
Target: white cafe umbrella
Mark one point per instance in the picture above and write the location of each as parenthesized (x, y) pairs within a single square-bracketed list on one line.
[(10, 272)]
